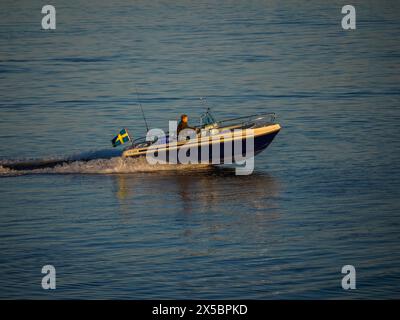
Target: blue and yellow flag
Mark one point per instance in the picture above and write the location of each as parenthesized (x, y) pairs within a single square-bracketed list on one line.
[(121, 138)]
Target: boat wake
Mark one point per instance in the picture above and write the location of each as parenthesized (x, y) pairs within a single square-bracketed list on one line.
[(94, 162)]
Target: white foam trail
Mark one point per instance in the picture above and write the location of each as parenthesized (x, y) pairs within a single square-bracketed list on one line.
[(106, 161), (114, 165), (5, 172), (103, 166)]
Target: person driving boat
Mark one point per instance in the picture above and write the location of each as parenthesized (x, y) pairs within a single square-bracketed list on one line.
[(183, 124)]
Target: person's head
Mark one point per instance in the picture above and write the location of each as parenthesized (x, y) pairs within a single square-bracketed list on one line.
[(184, 118)]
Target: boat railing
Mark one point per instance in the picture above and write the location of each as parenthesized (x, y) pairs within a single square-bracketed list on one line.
[(253, 120), (141, 142)]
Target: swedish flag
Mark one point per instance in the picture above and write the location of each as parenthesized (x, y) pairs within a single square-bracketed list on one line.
[(121, 138)]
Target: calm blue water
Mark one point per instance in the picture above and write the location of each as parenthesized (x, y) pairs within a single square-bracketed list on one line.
[(323, 195)]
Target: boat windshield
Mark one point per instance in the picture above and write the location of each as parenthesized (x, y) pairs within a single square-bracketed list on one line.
[(206, 119)]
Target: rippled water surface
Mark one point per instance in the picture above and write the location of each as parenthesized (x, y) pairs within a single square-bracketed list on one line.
[(323, 195)]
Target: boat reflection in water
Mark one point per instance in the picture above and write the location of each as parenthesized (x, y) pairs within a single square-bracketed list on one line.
[(211, 204), (201, 189)]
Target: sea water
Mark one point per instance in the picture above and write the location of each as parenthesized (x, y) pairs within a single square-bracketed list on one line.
[(323, 195)]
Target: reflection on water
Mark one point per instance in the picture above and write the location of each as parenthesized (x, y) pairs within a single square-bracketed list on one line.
[(204, 189), (208, 205)]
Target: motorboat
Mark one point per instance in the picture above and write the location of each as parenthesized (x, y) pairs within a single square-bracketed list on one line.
[(211, 142)]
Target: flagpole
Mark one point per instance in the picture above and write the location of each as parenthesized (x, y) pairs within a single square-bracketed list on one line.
[(129, 136)]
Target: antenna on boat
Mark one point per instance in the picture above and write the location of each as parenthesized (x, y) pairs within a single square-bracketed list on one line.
[(141, 108)]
